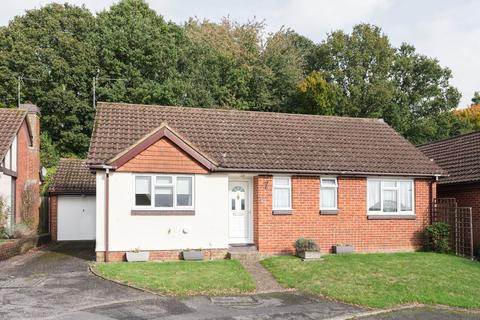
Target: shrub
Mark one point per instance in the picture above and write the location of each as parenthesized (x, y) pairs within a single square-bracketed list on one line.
[(302, 245), (437, 237), (21, 230), (3, 219)]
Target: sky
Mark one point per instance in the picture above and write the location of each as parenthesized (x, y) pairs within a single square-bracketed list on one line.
[(445, 29)]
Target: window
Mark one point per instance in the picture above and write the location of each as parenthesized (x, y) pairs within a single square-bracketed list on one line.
[(184, 191), (328, 193), (164, 192), (169, 191), (143, 194), (282, 193), (390, 196)]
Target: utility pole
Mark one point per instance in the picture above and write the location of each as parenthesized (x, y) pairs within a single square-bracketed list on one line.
[(95, 80)]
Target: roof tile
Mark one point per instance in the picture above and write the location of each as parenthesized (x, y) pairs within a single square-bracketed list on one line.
[(248, 140), (459, 156), (10, 122), (73, 177)]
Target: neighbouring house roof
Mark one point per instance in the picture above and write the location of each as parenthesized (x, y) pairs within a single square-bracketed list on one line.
[(72, 177), (10, 122), (236, 140), (459, 156)]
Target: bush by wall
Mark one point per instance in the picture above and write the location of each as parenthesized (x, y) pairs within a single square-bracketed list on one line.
[(437, 237)]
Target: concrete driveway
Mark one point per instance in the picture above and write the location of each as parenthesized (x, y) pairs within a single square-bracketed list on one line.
[(55, 283)]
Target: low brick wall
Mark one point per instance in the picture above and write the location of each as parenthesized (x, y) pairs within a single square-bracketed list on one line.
[(163, 255), (15, 247)]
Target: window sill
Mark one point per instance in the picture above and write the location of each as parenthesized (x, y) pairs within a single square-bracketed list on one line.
[(328, 212), (162, 212), (391, 217), (282, 212)]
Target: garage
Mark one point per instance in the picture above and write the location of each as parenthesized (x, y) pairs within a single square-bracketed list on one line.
[(76, 217), (72, 202)]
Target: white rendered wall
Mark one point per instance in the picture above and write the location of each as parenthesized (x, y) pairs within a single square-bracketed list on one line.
[(208, 228)]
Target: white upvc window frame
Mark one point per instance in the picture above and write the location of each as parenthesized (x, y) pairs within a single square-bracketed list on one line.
[(335, 188), (173, 185), (289, 187), (382, 181)]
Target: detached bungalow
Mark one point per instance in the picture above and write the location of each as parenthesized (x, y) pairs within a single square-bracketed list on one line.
[(20, 163), (172, 178)]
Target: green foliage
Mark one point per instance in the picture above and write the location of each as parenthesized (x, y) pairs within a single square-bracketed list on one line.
[(315, 95), (302, 245), (48, 152), (54, 46), (136, 44), (48, 179), (374, 79), (476, 98), (470, 116), (4, 210), (437, 237), (206, 64)]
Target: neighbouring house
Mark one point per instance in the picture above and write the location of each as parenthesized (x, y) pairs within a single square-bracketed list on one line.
[(72, 201), (460, 157), (20, 163), (172, 178)]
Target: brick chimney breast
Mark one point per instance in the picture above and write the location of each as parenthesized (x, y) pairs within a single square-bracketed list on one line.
[(31, 108)]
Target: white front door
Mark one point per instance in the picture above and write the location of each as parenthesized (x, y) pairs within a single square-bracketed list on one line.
[(239, 213)]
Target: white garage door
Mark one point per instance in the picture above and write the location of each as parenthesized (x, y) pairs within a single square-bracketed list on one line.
[(76, 218)]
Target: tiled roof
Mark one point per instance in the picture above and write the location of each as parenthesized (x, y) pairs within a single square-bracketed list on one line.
[(10, 122), (459, 156), (73, 177), (264, 142)]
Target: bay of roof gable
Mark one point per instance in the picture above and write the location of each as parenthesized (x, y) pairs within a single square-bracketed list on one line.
[(164, 131), (246, 140)]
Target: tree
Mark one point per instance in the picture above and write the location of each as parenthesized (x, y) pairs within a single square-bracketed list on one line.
[(54, 46), (247, 69), (476, 98), (136, 44), (316, 96), (359, 64), (422, 94), (410, 91), (470, 115)]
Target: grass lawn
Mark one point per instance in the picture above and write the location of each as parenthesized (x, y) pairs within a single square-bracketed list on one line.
[(384, 280), (181, 277)]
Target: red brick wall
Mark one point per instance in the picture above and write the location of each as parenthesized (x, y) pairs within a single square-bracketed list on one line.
[(53, 216), (28, 165), (163, 156), (277, 233), (467, 195), (162, 255), (15, 247)]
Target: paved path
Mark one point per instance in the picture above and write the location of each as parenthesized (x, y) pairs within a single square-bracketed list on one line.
[(263, 279)]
